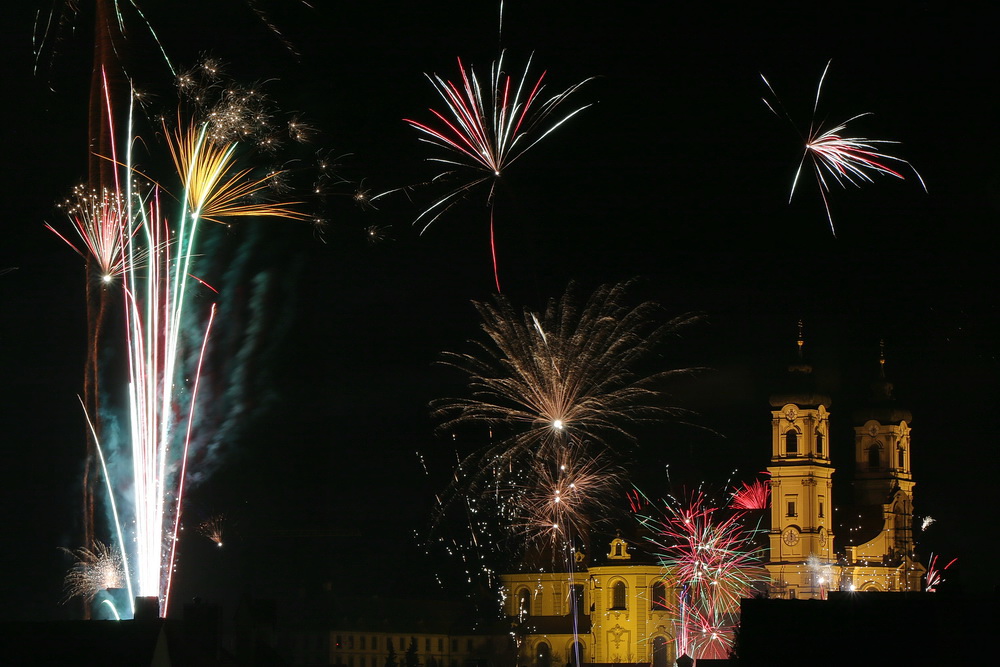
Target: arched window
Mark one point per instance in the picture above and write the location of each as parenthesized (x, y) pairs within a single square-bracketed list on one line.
[(543, 655), (658, 598), (874, 457), (659, 652), (577, 599), (819, 443), (902, 458), (618, 595), (791, 442), (523, 604), (576, 654)]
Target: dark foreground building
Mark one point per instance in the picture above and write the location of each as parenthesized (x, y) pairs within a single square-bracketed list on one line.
[(869, 629)]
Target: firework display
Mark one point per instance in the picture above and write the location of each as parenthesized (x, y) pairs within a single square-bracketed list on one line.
[(755, 495), (711, 562), (567, 375), (280, 376), (839, 159), (96, 569), (154, 258), (488, 127)]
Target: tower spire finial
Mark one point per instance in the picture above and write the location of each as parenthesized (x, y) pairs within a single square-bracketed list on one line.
[(881, 358), (801, 340)]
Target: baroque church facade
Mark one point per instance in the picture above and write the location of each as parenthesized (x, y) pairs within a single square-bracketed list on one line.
[(623, 608)]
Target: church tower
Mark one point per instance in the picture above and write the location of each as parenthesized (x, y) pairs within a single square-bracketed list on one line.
[(883, 489), (801, 540)]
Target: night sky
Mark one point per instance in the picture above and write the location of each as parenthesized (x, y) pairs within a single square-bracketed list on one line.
[(324, 455)]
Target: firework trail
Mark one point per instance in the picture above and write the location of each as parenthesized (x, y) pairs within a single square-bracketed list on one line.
[(213, 190), (710, 560), (840, 159), (485, 129), (156, 255)]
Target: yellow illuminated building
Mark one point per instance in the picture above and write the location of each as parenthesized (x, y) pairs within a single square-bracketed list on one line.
[(878, 556), (617, 609), (614, 611)]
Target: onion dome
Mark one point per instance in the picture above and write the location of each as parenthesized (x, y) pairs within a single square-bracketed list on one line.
[(799, 385), (881, 404)]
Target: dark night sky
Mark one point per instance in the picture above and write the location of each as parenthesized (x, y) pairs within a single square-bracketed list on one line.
[(677, 174)]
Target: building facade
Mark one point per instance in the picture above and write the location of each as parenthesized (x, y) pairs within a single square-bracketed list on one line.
[(612, 611), (878, 552)]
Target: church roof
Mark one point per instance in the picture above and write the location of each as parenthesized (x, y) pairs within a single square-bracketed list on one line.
[(881, 404), (799, 385)]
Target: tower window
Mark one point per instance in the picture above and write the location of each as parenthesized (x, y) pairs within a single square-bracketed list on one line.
[(819, 443), (821, 509), (618, 549), (791, 442), (874, 457), (902, 458), (618, 595), (791, 508)]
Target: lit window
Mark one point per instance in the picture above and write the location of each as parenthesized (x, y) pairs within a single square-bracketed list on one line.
[(523, 604)]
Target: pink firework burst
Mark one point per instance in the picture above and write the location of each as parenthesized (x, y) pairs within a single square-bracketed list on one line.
[(753, 496), (840, 159), (710, 560), (487, 128)]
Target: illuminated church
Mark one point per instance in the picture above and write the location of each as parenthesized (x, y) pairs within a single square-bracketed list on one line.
[(621, 608), (804, 561)]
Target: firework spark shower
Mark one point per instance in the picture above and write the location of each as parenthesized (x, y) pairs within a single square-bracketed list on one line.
[(155, 257), (557, 389)]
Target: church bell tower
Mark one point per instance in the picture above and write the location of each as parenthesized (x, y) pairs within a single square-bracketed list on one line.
[(801, 539)]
